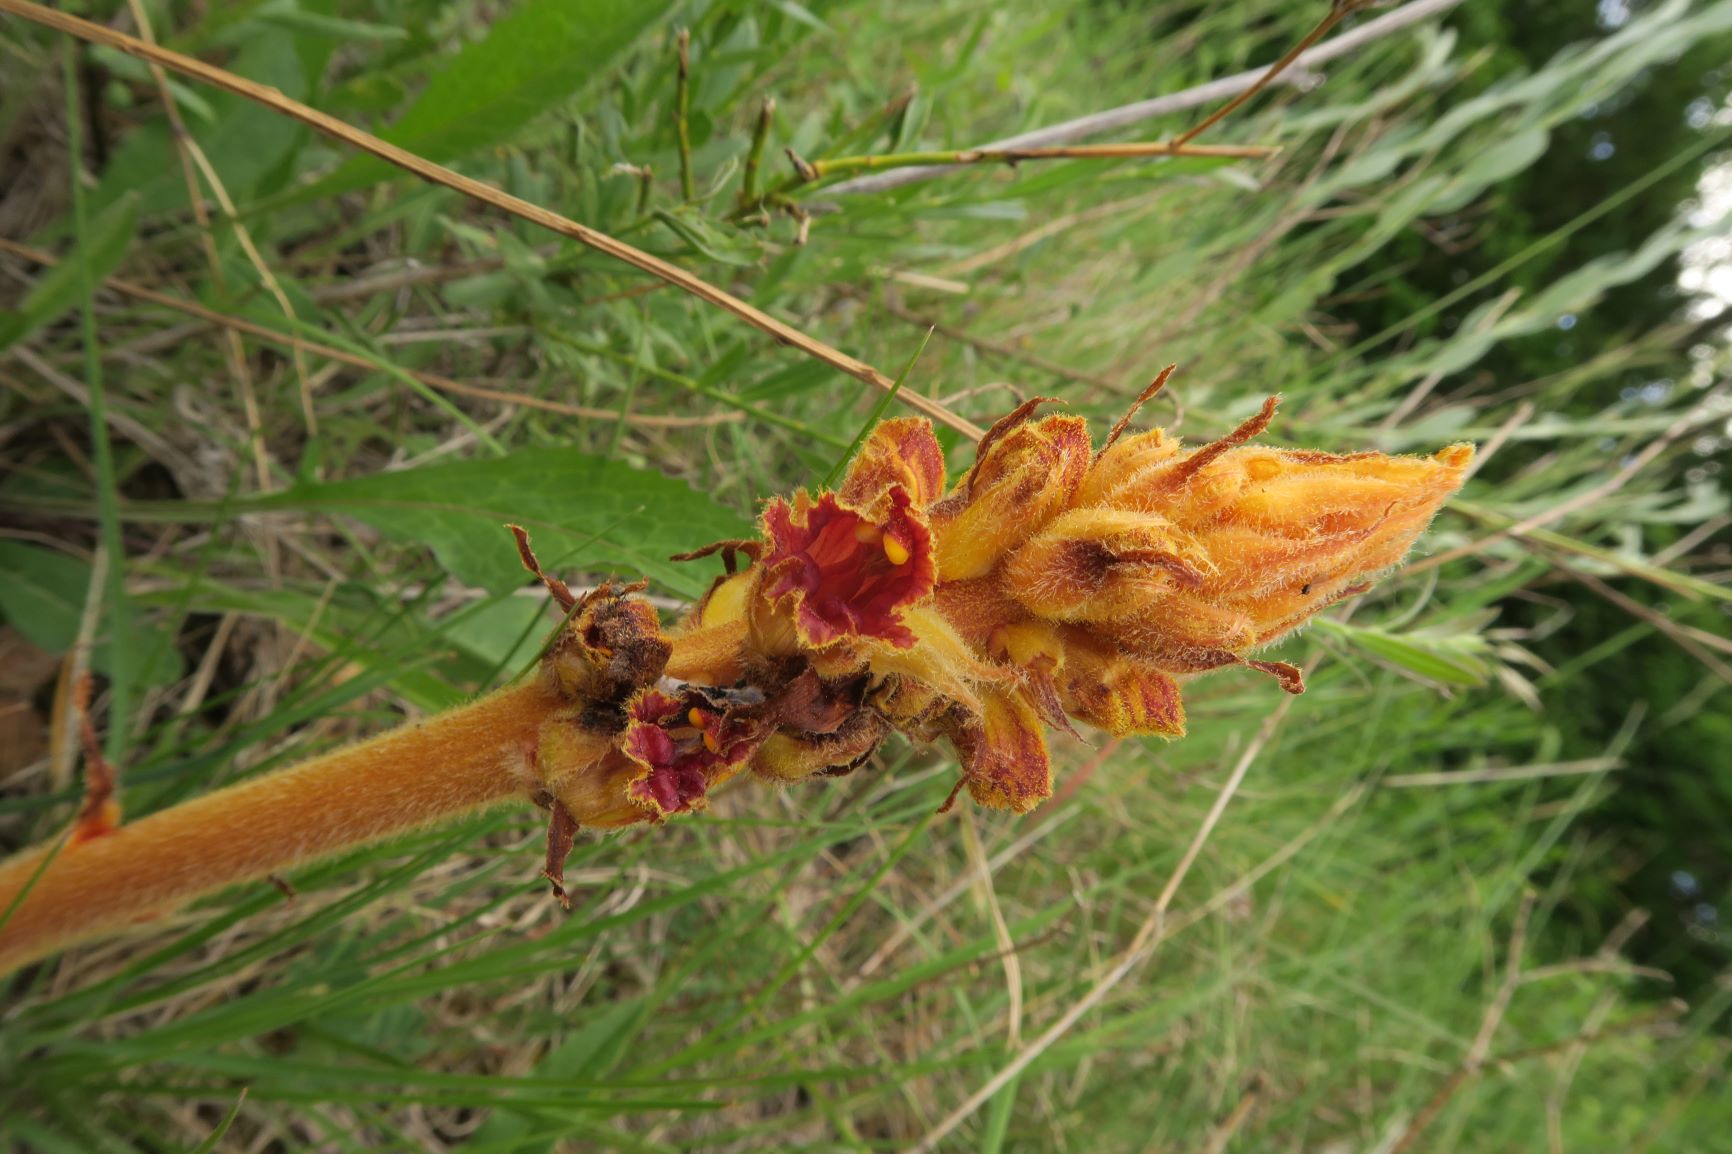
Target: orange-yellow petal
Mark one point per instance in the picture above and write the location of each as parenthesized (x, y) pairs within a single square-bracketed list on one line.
[(1025, 476), (1101, 564), (792, 755), (901, 451), (1122, 696), (1003, 750)]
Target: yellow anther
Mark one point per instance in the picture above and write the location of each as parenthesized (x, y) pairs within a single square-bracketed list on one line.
[(895, 550), (696, 717)]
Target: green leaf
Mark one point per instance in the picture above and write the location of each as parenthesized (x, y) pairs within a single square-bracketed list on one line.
[(1504, 158), (364, 630), (871, 421), (718, 242), (248, 143), (801, 14), (540, 55), (584, 513), (60, 287), (1446, 659), (216, 1136), (42, 594), (588, 1054), (288, 14)]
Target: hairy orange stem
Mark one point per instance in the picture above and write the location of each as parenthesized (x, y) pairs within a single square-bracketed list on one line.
[(458, 762)]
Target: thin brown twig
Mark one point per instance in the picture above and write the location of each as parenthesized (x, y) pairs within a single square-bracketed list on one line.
[(1011, 961), (1224, 1130), (810, 171), (1123, 117), (366, 286), (974, 262), (1249, 254), (1339, 10), (71, 693), (906, 928), (1503, 773), (244, 236), (318, 349), (1523, 413), (188, 147), (991, 348), (487, 194), (1512, 976), (192, 162), (171, 458), (1690, 540), (1416, 396), (1572, 1062), (1686, 638)]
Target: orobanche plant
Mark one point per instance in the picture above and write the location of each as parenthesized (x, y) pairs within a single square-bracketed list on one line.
[(1054, 584)]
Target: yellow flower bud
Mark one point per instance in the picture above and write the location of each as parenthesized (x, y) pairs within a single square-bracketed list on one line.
[(1101, 564), (1106, 689), (1005, 764), (1027, 471)]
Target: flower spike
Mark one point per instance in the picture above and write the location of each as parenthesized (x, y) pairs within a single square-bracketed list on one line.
[(1056, 586)]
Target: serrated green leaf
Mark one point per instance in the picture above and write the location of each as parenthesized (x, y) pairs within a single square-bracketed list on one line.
[(542, 53), (61, 287), (585, 513)]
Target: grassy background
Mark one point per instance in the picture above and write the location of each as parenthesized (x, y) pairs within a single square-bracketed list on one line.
[(1363, 957)]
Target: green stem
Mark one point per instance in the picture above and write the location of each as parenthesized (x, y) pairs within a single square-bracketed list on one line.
[(102, 452), (760, 136), (855, 136), (682, 125)]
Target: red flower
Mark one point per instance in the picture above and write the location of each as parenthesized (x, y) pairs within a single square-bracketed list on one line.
[(684, 745), (843, 574), (673, 778)]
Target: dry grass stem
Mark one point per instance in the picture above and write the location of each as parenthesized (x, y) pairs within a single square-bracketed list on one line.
[(487, 194), (1147, 939), (435, 381), (1503, 773)]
